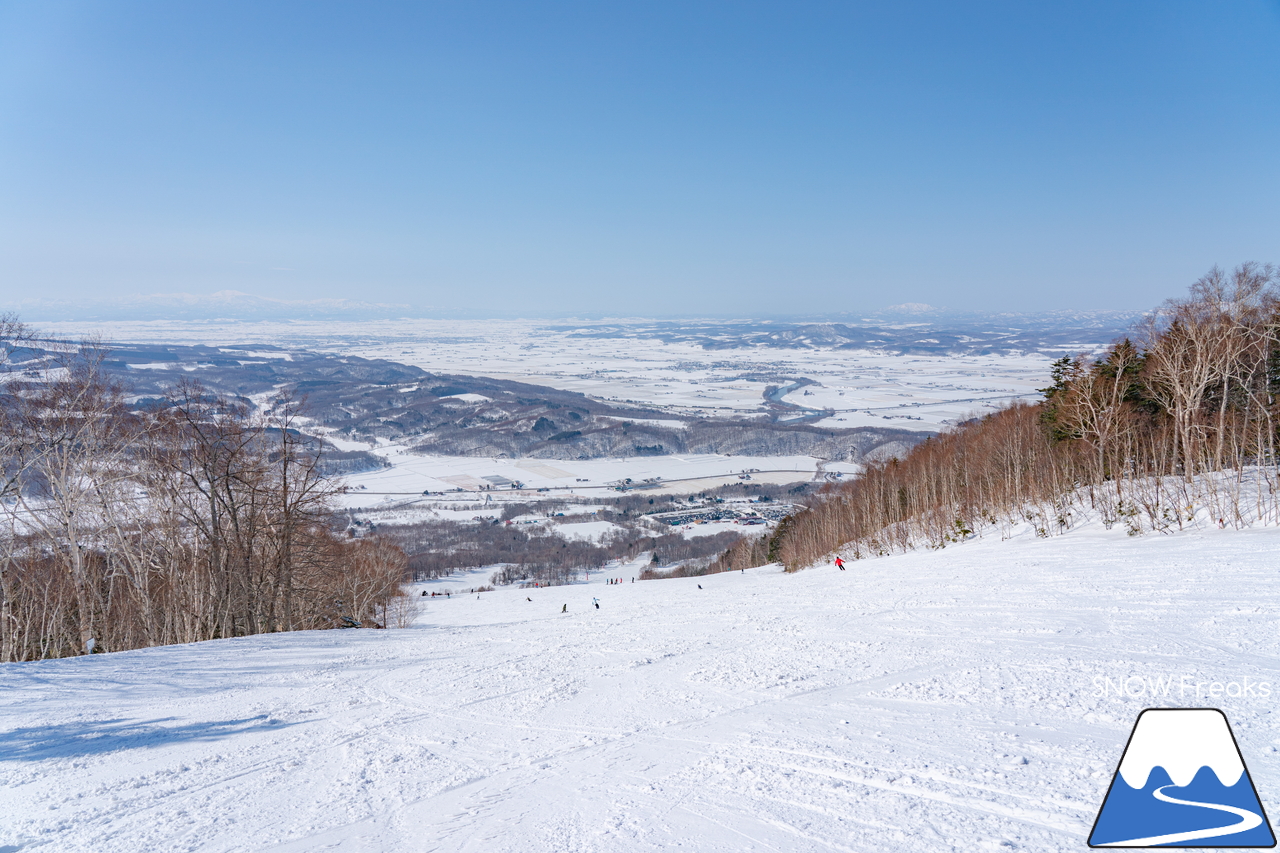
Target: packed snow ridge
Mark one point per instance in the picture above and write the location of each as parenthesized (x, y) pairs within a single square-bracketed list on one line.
[(937, 700)]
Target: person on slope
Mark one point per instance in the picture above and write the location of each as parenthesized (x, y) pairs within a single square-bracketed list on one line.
[(839, 564), (596, 602)]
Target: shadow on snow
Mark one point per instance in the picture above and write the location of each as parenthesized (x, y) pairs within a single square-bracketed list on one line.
[(97, 737)]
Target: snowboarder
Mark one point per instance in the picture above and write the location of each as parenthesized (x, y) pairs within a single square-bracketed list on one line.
[(564, 609), (527, 598), (699, 586), (596, 602), (839, 564)]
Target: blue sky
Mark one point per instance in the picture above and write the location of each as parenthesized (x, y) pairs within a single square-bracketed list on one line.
[(655, 158)]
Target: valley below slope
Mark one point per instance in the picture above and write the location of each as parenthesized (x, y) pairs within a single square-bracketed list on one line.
[(364, 402)]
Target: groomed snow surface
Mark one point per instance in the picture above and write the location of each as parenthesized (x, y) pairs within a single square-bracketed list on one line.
[(953, 700)]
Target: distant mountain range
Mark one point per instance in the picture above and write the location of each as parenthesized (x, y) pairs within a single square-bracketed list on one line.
[(1062, 319), (931, 332), (835, 329)]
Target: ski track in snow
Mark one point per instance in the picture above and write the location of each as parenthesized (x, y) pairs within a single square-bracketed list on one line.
[(933, 701)]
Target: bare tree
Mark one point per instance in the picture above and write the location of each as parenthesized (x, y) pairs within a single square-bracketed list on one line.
[(192, 520), (1198, 394), (75, 434)]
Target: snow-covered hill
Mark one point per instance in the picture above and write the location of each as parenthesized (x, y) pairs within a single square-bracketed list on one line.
[(976, 698)]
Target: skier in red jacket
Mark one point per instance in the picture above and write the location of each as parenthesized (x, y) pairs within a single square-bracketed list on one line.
[(839, 564)]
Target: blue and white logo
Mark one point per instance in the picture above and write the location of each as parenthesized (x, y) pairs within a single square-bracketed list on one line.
[(1182, 783)]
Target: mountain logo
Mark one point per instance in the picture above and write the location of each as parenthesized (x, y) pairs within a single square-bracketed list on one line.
[(1182, 783)]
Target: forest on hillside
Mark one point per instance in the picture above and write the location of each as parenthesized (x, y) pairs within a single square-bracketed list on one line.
[(1173, 425), (190, 517)]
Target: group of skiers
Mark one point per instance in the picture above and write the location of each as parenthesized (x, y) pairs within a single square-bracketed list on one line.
[(595, 601)]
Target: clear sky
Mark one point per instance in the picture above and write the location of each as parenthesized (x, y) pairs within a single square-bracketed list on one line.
[(687, 157)]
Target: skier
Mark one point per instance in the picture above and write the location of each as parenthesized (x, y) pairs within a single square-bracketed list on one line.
[(564, 609), (596, 602), (839, 564), (699, 586)]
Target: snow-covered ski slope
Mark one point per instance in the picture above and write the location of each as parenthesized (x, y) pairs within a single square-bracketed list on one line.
[(952, 700)]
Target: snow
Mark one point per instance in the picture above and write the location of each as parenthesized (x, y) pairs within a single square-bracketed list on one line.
[(411, 474), (710, 528), (661, 423), (268, 355), (346, 444), (588, 531), (862, 388), (944, 700)]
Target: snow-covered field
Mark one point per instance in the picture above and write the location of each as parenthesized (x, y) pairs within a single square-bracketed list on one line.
[(412, 474), (860, 388), (976, 698), (863, 388)]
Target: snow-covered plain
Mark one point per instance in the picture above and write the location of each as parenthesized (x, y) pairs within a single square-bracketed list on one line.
[(862, 387), (412, 474), (975, 698), (859, 388)]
